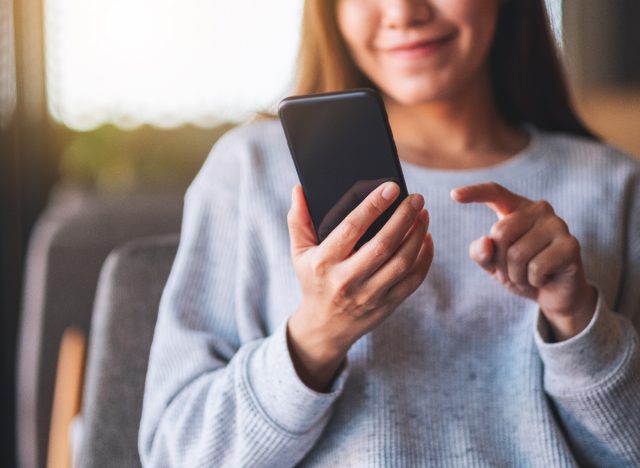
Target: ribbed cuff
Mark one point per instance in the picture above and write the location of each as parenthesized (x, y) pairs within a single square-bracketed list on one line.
[(591, 357), (277, 388)]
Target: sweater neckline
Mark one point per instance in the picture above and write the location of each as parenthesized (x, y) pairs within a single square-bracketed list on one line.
[(525, 162)]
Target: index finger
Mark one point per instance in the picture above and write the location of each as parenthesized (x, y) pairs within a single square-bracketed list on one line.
[(494, 195), (341, 241)]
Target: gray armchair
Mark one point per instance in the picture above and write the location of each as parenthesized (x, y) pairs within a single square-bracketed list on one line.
[(67, 249), (124, 316)]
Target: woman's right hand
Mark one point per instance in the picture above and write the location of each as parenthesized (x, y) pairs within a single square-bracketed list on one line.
[(346, 294)]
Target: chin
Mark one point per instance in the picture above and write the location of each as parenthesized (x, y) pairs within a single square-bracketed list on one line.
[(409, 94)]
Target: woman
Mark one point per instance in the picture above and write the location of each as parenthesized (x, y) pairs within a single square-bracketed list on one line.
[(272, 350)]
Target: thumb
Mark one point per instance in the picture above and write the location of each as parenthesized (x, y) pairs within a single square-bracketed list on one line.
[(481, 251), (301, 231)]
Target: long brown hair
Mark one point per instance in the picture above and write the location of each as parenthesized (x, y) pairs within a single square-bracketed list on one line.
[(528, 80)]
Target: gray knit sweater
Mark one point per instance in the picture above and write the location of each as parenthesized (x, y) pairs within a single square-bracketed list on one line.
[(461, 374)]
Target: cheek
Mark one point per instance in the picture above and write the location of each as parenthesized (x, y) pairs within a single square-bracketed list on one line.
[(476, 20), (356, 22)]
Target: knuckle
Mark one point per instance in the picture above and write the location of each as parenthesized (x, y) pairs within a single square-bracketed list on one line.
[(343, 283), (319, 266), (401, 265), (516, 254), (499, 232), (572, 269), (341, 294), (356, 305), (362, 304), (534, 267), (535, 273), (348, 230), (337, 303), (573, 246), (544, 207), (376, 207), (518, 277), (381, 247), (395, 295), (494, 186), (558, 224)]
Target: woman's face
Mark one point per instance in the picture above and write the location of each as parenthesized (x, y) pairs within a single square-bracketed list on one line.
[(419, 50)]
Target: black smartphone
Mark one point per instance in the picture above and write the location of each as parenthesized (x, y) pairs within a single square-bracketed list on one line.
[(342, 148)]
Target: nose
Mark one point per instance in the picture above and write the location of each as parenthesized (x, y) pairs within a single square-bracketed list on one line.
[(398, 14)]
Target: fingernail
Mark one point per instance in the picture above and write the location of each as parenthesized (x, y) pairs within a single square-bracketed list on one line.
[(390, 190), (417, 201)]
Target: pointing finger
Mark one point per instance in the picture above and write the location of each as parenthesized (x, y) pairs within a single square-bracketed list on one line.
[(494, 195)]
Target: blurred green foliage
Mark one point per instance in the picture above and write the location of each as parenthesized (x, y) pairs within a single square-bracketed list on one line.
[(111, 159)]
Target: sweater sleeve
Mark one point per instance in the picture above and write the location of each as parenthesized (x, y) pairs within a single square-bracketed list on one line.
[(220, 391), (594, 377)]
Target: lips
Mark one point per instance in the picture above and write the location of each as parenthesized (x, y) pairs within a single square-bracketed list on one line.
[(420, 47)]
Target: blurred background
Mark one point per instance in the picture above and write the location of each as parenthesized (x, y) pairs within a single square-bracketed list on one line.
[(109, 107)]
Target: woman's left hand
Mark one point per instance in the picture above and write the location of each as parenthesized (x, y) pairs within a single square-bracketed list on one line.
[(532, 253)]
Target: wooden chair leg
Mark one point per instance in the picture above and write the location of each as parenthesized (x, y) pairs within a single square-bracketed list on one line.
[(67, 397)]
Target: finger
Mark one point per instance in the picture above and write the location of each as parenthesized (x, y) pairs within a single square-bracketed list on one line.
[(399, 265), (560, 257), (404, 288), (494, 195), (482, 251), (345, 204), (340, 242), (424, 215), (511, 227), (503, 234), (546, 227), (387, 241), (521, 252), (301, 229)]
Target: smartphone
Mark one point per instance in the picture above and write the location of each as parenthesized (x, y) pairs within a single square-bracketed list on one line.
[(342, 148)]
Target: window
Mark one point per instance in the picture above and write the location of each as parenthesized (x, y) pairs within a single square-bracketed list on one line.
[(554, 8), (7, 64), (167, 62)]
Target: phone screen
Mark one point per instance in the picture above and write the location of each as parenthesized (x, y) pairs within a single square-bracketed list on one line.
[(342, 147)]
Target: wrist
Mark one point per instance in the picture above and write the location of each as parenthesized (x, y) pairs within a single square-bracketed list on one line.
[(565, 325), (315, 357)]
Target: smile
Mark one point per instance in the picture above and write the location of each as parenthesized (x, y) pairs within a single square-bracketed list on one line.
[(421, 48)]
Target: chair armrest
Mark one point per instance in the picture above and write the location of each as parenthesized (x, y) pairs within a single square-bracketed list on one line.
[(66, 397)]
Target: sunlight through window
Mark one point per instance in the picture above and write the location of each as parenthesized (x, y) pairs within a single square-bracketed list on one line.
[(7, 65), (167, 62)]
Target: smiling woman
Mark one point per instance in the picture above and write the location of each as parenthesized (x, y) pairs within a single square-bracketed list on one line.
[(166, 63), (450, 338)]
